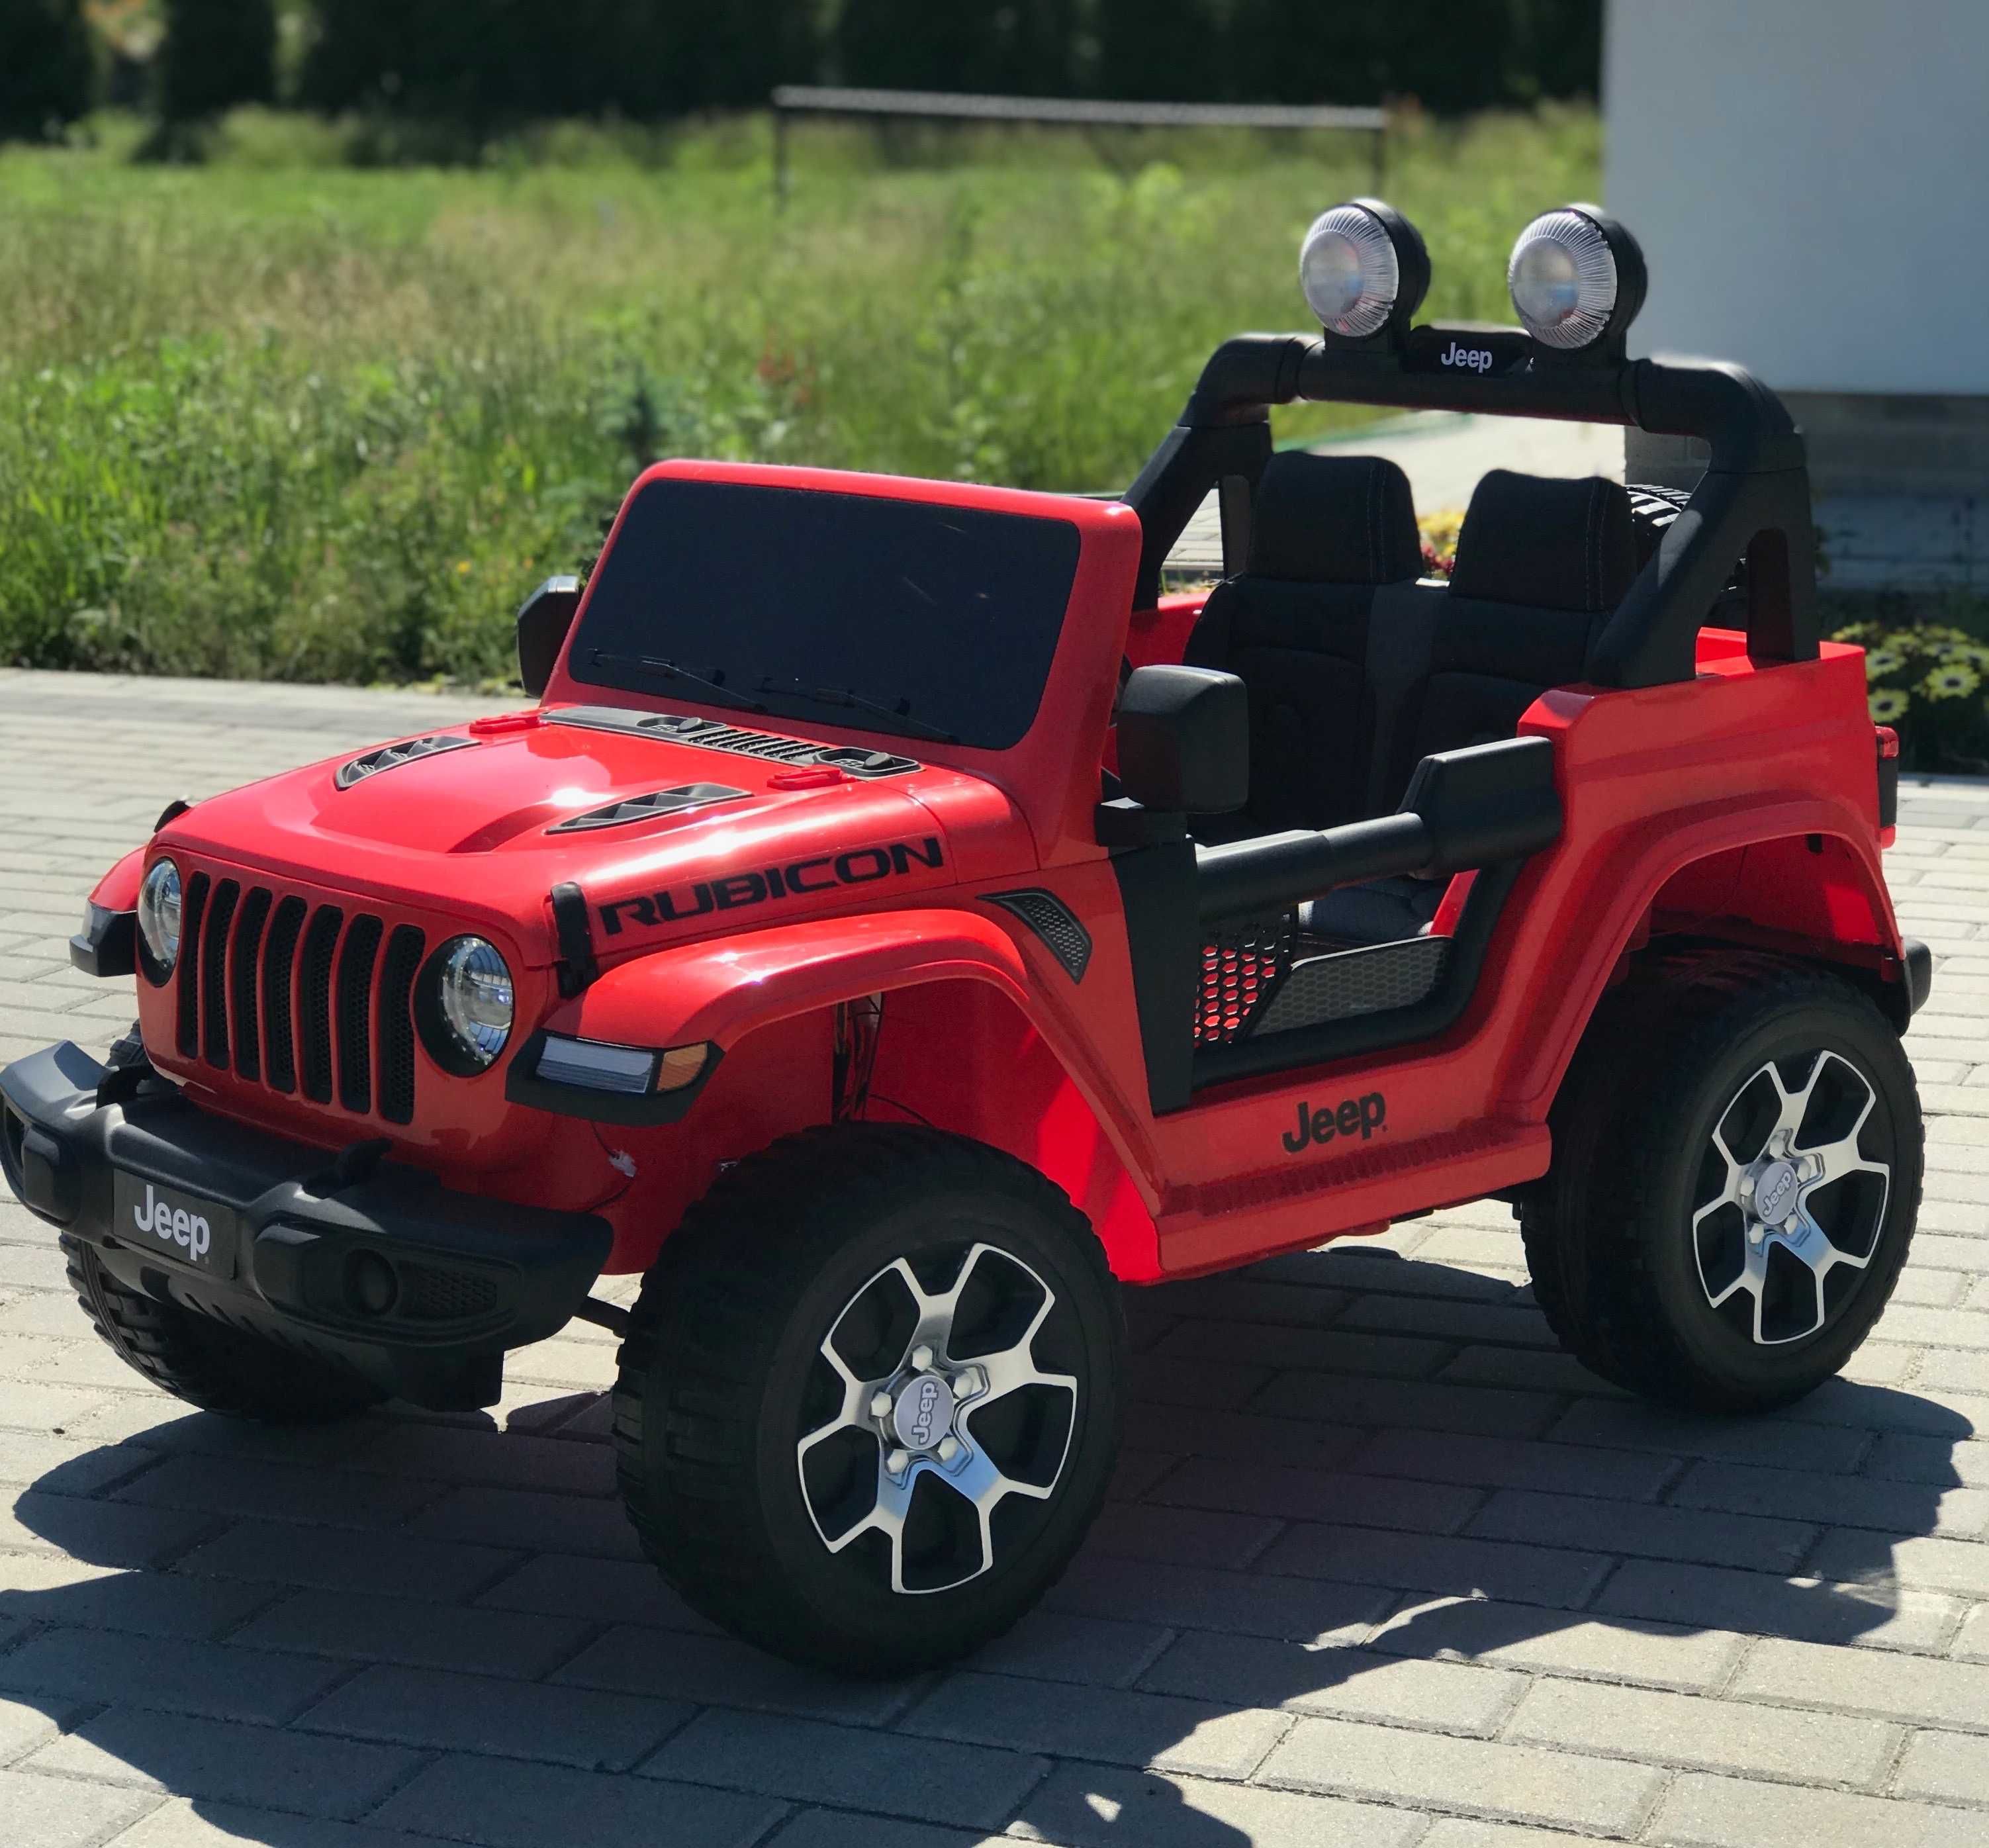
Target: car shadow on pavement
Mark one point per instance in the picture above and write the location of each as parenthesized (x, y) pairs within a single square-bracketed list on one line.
[(1355, 1490)]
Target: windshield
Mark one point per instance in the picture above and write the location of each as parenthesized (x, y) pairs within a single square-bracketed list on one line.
[(902, 616)]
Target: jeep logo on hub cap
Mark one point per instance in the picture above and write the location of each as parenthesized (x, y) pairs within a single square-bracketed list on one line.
[(923, 1414), (1774, 1193)]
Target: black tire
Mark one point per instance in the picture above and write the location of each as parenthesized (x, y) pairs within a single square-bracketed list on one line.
[(1636, 1263), (206, 1362), (722, 1378)]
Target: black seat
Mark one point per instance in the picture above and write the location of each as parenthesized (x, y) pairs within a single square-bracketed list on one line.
[(1541, 563), (1326, 530)]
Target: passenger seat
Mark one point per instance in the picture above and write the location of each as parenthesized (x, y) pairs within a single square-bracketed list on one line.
[(1292, 625), (1541, 564)]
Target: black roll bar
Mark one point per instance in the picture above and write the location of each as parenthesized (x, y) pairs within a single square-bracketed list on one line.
[(1753, 500)]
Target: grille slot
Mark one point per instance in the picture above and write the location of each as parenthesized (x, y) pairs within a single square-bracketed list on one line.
[(429, 1293), (279, 956), (396, 1024), (299, 997), (355, 1025), (390, 757), (715, 735), (193, 909), (214, 959), (241, 985), (314, 1002)]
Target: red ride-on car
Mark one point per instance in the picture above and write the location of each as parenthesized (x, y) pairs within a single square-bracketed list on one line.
[(899, 926)]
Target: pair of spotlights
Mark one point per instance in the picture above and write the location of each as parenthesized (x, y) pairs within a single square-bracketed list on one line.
[(1575, 276)]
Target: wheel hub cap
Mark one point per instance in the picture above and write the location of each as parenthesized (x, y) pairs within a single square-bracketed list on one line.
[(922, 1415), (1790, 1204)]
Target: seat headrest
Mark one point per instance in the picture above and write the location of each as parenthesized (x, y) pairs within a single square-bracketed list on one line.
[(1334, 519), (1551, 543)]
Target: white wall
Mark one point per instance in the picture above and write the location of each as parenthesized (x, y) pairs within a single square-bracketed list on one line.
[(1810, 180)]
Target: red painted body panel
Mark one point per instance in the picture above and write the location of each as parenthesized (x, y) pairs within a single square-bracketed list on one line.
[(1745, 800)]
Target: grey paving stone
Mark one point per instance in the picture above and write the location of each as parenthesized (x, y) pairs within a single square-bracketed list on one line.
[(1354, 1684), (1335, 1350), (1922, 1561), (246, 1486), (538, 1523), (1526, 1782), (230, 1763), (1642, 1530), (846, 1828), (1101, 1806), (1112, 1725), (52, 1588), (1701, 1811), (182, 1824), (602, 1590), (1629, 1425), (67, 1466), (1514, 1463), (1897, 1687), (29, 1722), (1054, 1646), (1257, 1603), (721, 1672), (1418, 1405), (1563, 1642), (1306, 1494), (1713, 1735), (361, 1626), (516, 1805), (929, 1780), (1240, 1436), (1808, 1495), (1949, 1767), (103, 1533), (1512, 1324), (1180, 1536), (175, 1674), (1531, 1574), (510, 1719), (279, 1553), (1761, 1604), (56, 1812)]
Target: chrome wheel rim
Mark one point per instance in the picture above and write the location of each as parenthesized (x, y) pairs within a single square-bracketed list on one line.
[(929, 1423), (1789, 1205)]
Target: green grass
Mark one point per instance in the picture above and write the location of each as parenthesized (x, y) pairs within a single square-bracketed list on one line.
[(273, 416)]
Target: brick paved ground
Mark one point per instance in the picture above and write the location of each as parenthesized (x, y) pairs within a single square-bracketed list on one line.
[(1383, 1569)]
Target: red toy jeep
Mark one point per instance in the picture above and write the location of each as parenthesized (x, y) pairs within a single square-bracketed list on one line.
[(899, 925)]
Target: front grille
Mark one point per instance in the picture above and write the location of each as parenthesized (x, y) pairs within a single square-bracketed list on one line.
[(299, 997)]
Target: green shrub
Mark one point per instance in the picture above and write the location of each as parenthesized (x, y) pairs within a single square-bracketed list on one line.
[(1930, 682), (46, 69)]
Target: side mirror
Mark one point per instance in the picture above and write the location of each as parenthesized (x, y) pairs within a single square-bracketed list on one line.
[(1184, 740), (543, 618)]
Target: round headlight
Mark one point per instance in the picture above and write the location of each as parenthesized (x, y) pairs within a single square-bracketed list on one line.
[(473, 996), (1566, 277), (159, 918), (1350, 272)]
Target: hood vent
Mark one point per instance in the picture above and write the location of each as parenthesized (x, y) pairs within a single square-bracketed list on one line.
[(647, 808), (390, 757), (715, 735)]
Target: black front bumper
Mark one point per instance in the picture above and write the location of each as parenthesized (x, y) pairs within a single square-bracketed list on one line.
[(370, 1265)]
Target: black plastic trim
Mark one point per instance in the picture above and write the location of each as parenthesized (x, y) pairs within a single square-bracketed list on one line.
[(391, 757), (578, 968), (739, 740), (107, 945), (523, 1085), (1918, 966), (301, 1226), (1053, 921), (645, 807), (1156, 891)]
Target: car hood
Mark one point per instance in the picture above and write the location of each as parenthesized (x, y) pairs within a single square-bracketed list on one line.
[(661, 820)]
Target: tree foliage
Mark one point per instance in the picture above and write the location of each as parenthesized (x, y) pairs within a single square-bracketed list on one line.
[(45, 72)]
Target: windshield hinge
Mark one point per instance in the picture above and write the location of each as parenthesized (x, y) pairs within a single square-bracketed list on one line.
[(577, 969)]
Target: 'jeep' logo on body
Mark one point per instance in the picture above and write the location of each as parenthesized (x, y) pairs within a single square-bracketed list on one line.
[(1361, 1115), (174, 1224), (1469, 359), (820, 874)]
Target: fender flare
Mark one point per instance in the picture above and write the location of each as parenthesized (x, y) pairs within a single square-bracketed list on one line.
[(1648, 857)]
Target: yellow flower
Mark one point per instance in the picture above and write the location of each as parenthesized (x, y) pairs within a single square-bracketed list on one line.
[(463, 567), (1882, 661), (1856, 632), (1887, 704), (1951, 682)]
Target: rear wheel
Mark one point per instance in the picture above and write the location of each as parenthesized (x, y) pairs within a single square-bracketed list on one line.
[(1737, 1173), (868, 1405), (207, 1363)]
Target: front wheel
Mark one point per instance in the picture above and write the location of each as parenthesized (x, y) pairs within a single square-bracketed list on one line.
[(1735, 1177), (869, 1402)]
